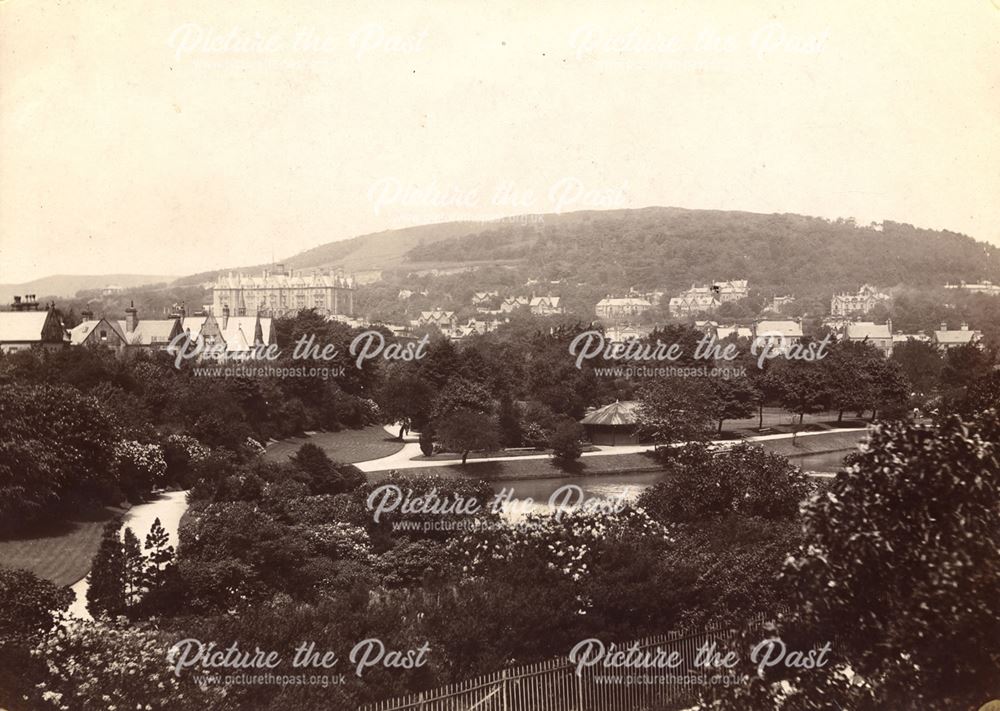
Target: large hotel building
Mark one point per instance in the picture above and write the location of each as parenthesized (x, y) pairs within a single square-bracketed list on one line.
[(277, 293)]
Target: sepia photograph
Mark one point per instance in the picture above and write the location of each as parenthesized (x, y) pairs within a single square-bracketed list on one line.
[(443, 355)]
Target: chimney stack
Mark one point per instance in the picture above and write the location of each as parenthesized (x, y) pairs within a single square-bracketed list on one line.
[(225, 317), (131, 318), (965, 326), (87, 315), (944, 326)]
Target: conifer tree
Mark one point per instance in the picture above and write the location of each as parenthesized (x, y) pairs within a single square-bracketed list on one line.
[(106, 594)]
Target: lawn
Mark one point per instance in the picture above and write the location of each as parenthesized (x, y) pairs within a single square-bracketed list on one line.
[(536, 468), (345, 446), (59, 551), (615, 463)]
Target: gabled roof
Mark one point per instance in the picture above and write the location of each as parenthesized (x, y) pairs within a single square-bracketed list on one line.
[(625, 301), (959, 337), (788, 329), (552, 301), (617, 413), (240, 333), (22, 326), (80, 333), (723, 332), (866, 329), (147, 333)]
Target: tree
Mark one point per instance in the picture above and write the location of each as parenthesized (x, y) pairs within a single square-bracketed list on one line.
[(55, 451), (462, 394), (746, 480), (323, 474), (106, 594), (29, 607), (134, 569), (565, 442), (405, 398), (850, 371), (509, 422), (803, 386), (467, 430), (891, 389), (159, 554), (427, 442), (675, 410), (732, 399), (964, 365), (921, 363), (899, 566)]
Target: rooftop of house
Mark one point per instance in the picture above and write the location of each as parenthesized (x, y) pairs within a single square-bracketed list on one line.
[(22, 326), (239, 332), (961, 336), (861, 330), (787, 329), (147, 333), (623, 301), (78, 334)]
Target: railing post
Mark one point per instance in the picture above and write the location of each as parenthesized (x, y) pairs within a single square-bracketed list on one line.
[(579, 690), (503, 688)]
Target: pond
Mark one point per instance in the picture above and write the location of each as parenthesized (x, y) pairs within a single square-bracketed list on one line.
[(626, 487)]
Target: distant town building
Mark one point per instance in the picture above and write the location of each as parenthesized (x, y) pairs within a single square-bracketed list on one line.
[(481, 298), (613, 309), (879, 335), (624, 334), (27, 326), (898, 338), (867, 298), (985, 287), (278, 293), (444, 320), (409, 293), (238, 335), (724, 332), (473, 328), (779, 303), (946, 338), (513, 302), (696, 300), (130, 332), (727, 291), (545, 305), (112, 290), (777, 335)]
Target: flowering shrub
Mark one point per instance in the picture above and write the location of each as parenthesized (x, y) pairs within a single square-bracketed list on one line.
[(567, 542), (140, 467), (109, 666), (252, 447), (339, 540), (194, 449)]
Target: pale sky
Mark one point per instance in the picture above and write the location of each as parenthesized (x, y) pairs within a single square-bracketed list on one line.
[(174, 136)]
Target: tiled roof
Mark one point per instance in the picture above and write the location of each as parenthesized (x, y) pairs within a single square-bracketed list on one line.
[(957, 337), (788, 329), (617, 413), (147, 333), (79, 334), (22, 326), (626, 301), (866, 329)]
